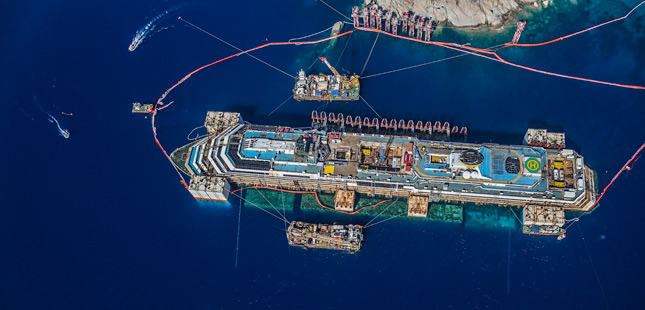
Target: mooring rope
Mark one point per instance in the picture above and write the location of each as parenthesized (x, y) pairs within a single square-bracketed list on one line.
[(385, 220), (627, 167), (237, 48), (379, 115), (285, 101), (578, 32), (415, 66), (237, 242), (370, 54), (495, 57), (343, 52), (272, 206), (253, 204), (593, 266), (341, 14), (311, 35), (518, 219), (198, 136), (397, 199)]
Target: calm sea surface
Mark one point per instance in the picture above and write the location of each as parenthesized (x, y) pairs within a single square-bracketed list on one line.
[(100, 220)]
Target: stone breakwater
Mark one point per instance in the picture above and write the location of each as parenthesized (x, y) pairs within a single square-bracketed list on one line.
[(460, 13)]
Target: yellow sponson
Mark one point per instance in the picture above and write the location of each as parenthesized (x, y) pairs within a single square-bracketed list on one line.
[(470, 166)]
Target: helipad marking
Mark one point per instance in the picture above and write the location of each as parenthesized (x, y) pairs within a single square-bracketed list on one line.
[(532, 165)]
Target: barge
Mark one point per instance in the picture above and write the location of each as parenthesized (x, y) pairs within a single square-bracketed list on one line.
[(334, 237), (355, 156), (138, 107), (336, 87)]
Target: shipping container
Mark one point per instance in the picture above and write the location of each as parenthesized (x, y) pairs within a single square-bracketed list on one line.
[(407, 158)]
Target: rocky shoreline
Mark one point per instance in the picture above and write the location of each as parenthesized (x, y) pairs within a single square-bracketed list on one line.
[(461, 13)]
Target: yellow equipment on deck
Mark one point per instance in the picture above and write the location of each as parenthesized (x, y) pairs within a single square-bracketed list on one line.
[(353, 81)]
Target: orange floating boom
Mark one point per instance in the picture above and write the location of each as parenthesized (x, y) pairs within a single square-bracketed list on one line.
[(310, 192)]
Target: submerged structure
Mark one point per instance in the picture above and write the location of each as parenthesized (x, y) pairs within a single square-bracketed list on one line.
[(336, 87), (354, 156)]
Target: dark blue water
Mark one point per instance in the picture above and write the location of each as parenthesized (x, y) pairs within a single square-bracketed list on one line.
[(100, 220)]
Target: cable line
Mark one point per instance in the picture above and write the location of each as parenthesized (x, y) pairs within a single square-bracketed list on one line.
[(237, 243), (341, 14), (315, 194), (284, 212), (397, 199), (577, 33), (495, 57), (594, 267), (272, 206), (290, 96), (518, 219), (343, 52), (253, 204), (379, 116), (385, 220), (423, 64), (415, 66), (237, 48), (484, 53), (311, 35), (370, 54), (198, 136), (626, 166)]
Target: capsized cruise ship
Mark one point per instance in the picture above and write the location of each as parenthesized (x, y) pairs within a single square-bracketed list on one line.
[(350, 155)]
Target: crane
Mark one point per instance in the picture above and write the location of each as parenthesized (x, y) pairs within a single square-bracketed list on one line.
[(353, 81), (329, 66)]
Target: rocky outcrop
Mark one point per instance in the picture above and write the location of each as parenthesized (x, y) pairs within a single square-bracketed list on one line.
[(461, 13)]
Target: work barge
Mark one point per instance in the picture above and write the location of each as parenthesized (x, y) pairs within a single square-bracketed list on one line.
[(320, 87), (336, 237), (417, 162)]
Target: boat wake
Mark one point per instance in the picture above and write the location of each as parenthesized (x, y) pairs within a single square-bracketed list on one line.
[(151, 27), (61, 131)]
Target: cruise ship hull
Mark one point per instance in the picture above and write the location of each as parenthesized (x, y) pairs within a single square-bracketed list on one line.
[(392, 163)]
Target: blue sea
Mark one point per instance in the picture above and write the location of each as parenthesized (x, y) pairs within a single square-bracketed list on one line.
[(101, 221)]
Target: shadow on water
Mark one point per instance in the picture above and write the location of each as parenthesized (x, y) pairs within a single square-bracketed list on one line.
[(486, 136), (541, 124), (511, 138), (249, 112)]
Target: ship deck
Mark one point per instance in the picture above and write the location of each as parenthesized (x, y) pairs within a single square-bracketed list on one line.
[(388, 165), (491, 171)]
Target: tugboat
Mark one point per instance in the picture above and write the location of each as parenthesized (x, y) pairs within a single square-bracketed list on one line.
[(138, 38), (138, 107), (62, 131)]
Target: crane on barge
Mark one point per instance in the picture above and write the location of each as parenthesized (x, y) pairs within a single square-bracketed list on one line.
[(349, 84)]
